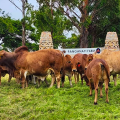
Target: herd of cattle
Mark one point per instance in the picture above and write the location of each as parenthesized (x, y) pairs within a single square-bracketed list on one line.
[(95, 69)]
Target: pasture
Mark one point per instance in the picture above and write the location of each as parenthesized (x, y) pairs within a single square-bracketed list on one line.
[(68, 103)]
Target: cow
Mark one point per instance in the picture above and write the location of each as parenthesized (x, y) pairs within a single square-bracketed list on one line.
[(97, 72), (78, 63), (36, 63), (67, 70), (113, 61), (5, 70), (76, 67)]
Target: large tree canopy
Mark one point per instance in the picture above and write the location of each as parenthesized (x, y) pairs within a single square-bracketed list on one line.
[(90, 17)]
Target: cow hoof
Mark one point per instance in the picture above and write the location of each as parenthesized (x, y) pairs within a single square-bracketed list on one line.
[(95, 103), (101, 96), (107, 101)]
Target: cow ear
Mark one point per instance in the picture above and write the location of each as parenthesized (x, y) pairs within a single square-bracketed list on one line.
[(2, 53), (84, 56)]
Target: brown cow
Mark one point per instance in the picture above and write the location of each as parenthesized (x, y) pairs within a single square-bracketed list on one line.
[(97, 73), (78, 65), (5, 70), (113, 60), (67, 70), (36, 63)]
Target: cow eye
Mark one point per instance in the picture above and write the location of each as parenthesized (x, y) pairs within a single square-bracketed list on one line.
[(89, 60), (69, 61)]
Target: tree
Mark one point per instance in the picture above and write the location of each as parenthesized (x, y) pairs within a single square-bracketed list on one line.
[(104, 18), (56, 23), (86, 16), (76, 12), (23, 21), (11, 34)]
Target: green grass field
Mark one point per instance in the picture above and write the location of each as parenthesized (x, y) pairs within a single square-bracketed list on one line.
[(68, 103)]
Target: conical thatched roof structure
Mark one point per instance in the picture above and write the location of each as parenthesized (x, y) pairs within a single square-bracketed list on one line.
[(111, 41), (45, 40)]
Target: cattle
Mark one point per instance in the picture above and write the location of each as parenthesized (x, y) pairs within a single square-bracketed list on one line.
[(78, 63), (113, 61), (67, 70), (97, 73), (3, 71), (36, 63), (76, 67)]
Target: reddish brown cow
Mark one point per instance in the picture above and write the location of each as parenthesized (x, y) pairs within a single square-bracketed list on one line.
[(78, 63), (37, 63), (97, 73)]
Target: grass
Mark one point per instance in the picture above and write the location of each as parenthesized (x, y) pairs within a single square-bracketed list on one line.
[(68, 103)]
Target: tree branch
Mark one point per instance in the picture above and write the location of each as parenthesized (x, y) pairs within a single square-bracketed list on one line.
[(15, 5)]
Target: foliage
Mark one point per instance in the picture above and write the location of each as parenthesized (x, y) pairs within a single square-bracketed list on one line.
[(102, 16), (11, 33), (46, 19), (70, 103), (105, 18)]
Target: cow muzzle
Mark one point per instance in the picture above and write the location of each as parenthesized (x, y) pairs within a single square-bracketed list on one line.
[(74, 70)]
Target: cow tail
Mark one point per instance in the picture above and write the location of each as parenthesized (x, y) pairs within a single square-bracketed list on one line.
[(102, 69)]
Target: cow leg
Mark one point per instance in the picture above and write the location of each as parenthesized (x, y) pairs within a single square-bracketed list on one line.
[(46, 81), (100, 86), (0, 77), (10, 76), (106, 90), (81, 79), (63, 80), (70, 80), (75, 76), (90, 90), (39, 80), (26, 81), (23, 78), (96, 91), (114, 78), (34, 79), (53, 80), (58, 81)]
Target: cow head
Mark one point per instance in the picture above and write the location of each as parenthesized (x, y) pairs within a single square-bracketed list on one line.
[(75, 66), (88, 60), (2, 54)]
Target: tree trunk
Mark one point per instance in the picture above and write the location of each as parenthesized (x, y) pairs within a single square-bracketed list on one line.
[(93, 41), (84, 31), (83, 37), (23, 23)]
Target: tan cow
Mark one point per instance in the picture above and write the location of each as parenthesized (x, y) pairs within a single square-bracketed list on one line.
[(97, 73), (113, 60), (37, 63)]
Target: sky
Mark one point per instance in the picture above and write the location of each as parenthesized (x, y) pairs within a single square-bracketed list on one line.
[(12, 10)]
